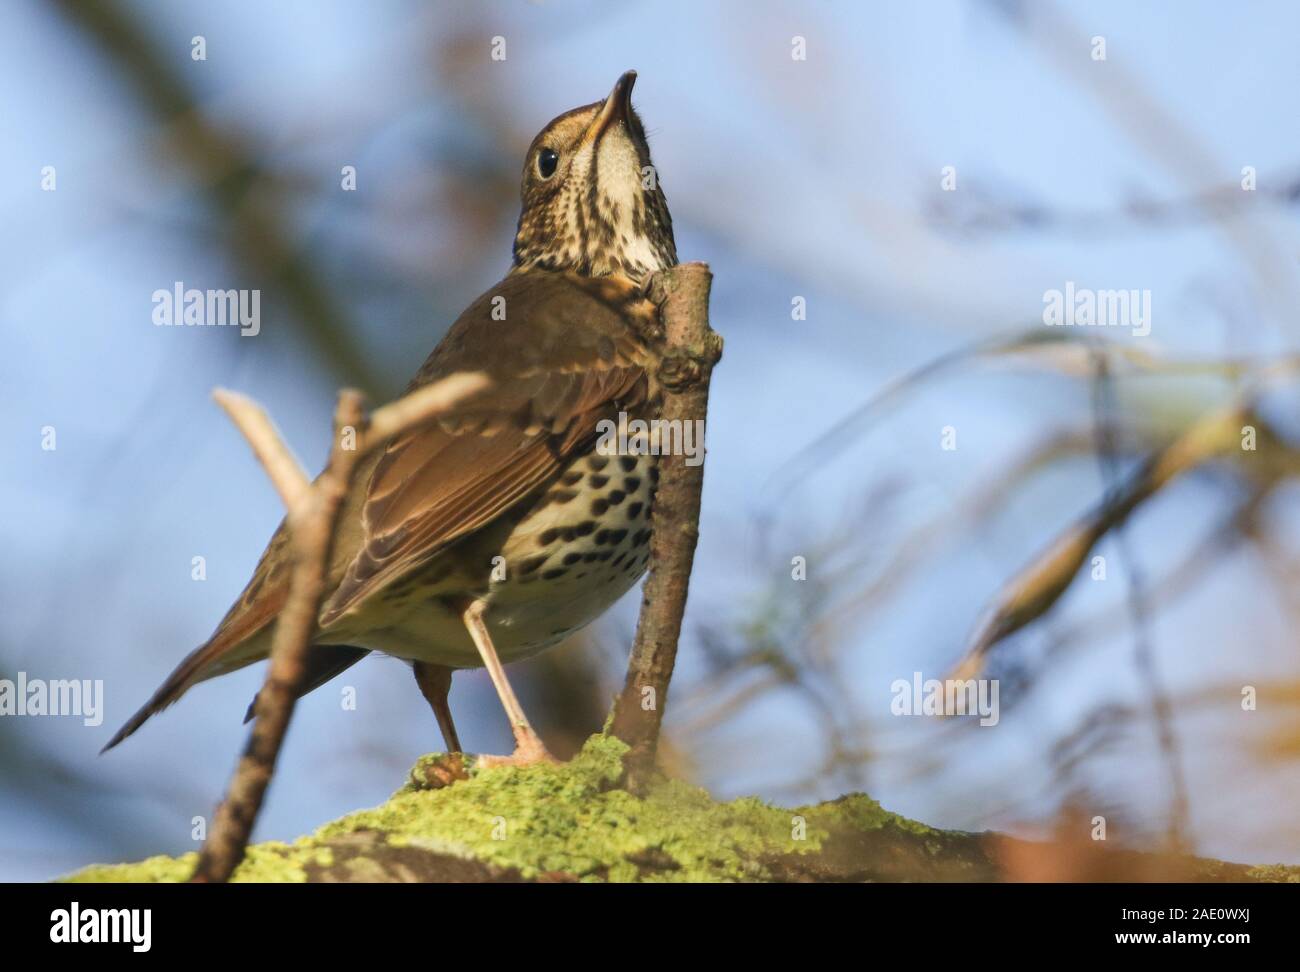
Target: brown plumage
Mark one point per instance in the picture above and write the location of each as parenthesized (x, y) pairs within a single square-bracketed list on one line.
[(512, 484)]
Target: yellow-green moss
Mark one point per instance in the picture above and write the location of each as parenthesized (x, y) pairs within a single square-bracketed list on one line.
[(859, 811), (569, 819), (573, 822), (152, 870), (544, 819), (1275, 873), (271, 862)]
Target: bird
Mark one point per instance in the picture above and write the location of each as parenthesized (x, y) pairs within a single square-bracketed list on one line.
[(494, 533)]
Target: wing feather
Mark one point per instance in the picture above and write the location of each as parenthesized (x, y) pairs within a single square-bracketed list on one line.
[(570, 353)]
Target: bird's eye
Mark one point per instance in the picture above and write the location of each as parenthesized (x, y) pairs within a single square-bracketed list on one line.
[(547, 160)]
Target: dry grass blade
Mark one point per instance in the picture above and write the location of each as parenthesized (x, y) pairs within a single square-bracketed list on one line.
[(1036, 588)]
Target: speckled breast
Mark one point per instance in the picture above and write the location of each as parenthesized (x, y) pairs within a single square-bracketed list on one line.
[(579, 548)]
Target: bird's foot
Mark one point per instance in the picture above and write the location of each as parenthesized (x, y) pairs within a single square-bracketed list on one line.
[(529, 750), (439, 771)]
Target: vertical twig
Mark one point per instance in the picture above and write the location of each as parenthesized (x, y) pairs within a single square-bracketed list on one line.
[(691, 350), (312, 511)]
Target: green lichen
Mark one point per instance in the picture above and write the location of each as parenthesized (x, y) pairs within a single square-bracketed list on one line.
[(576, 822), (1274, 874), (152, 870), (572, 820), (860, 812), (271, 862), (544, 820)]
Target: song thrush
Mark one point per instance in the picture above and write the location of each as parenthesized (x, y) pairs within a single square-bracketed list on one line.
[(490, 536)]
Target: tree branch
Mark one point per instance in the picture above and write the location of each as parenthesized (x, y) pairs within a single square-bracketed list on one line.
[(286, 473), (312, 511), (676, 832), (691, 350)]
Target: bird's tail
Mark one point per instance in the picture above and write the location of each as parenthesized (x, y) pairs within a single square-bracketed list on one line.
[(322, 664), (242, 637), (204, 662)]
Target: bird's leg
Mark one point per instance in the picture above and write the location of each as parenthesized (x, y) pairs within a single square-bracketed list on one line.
[(445, 768), (528, 745), (435, 683)]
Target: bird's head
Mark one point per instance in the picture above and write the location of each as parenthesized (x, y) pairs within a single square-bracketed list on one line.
[(591, 197)]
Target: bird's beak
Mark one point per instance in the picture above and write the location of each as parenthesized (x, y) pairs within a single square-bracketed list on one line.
[(617, 107)]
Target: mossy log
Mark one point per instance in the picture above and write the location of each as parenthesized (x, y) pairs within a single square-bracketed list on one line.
[(576, 823)]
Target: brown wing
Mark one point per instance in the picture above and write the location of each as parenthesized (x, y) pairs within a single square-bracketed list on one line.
[(569, 352)]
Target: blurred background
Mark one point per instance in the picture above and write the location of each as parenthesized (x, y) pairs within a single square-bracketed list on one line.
[(824, 178)]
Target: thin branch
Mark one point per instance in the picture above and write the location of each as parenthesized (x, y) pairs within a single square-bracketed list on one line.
[(287, 475), (691, 350), (419, 407), (312, 511)]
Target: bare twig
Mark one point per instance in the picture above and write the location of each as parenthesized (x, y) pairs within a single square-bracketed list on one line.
[(691, 350), (286, 475), (312, 510)]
